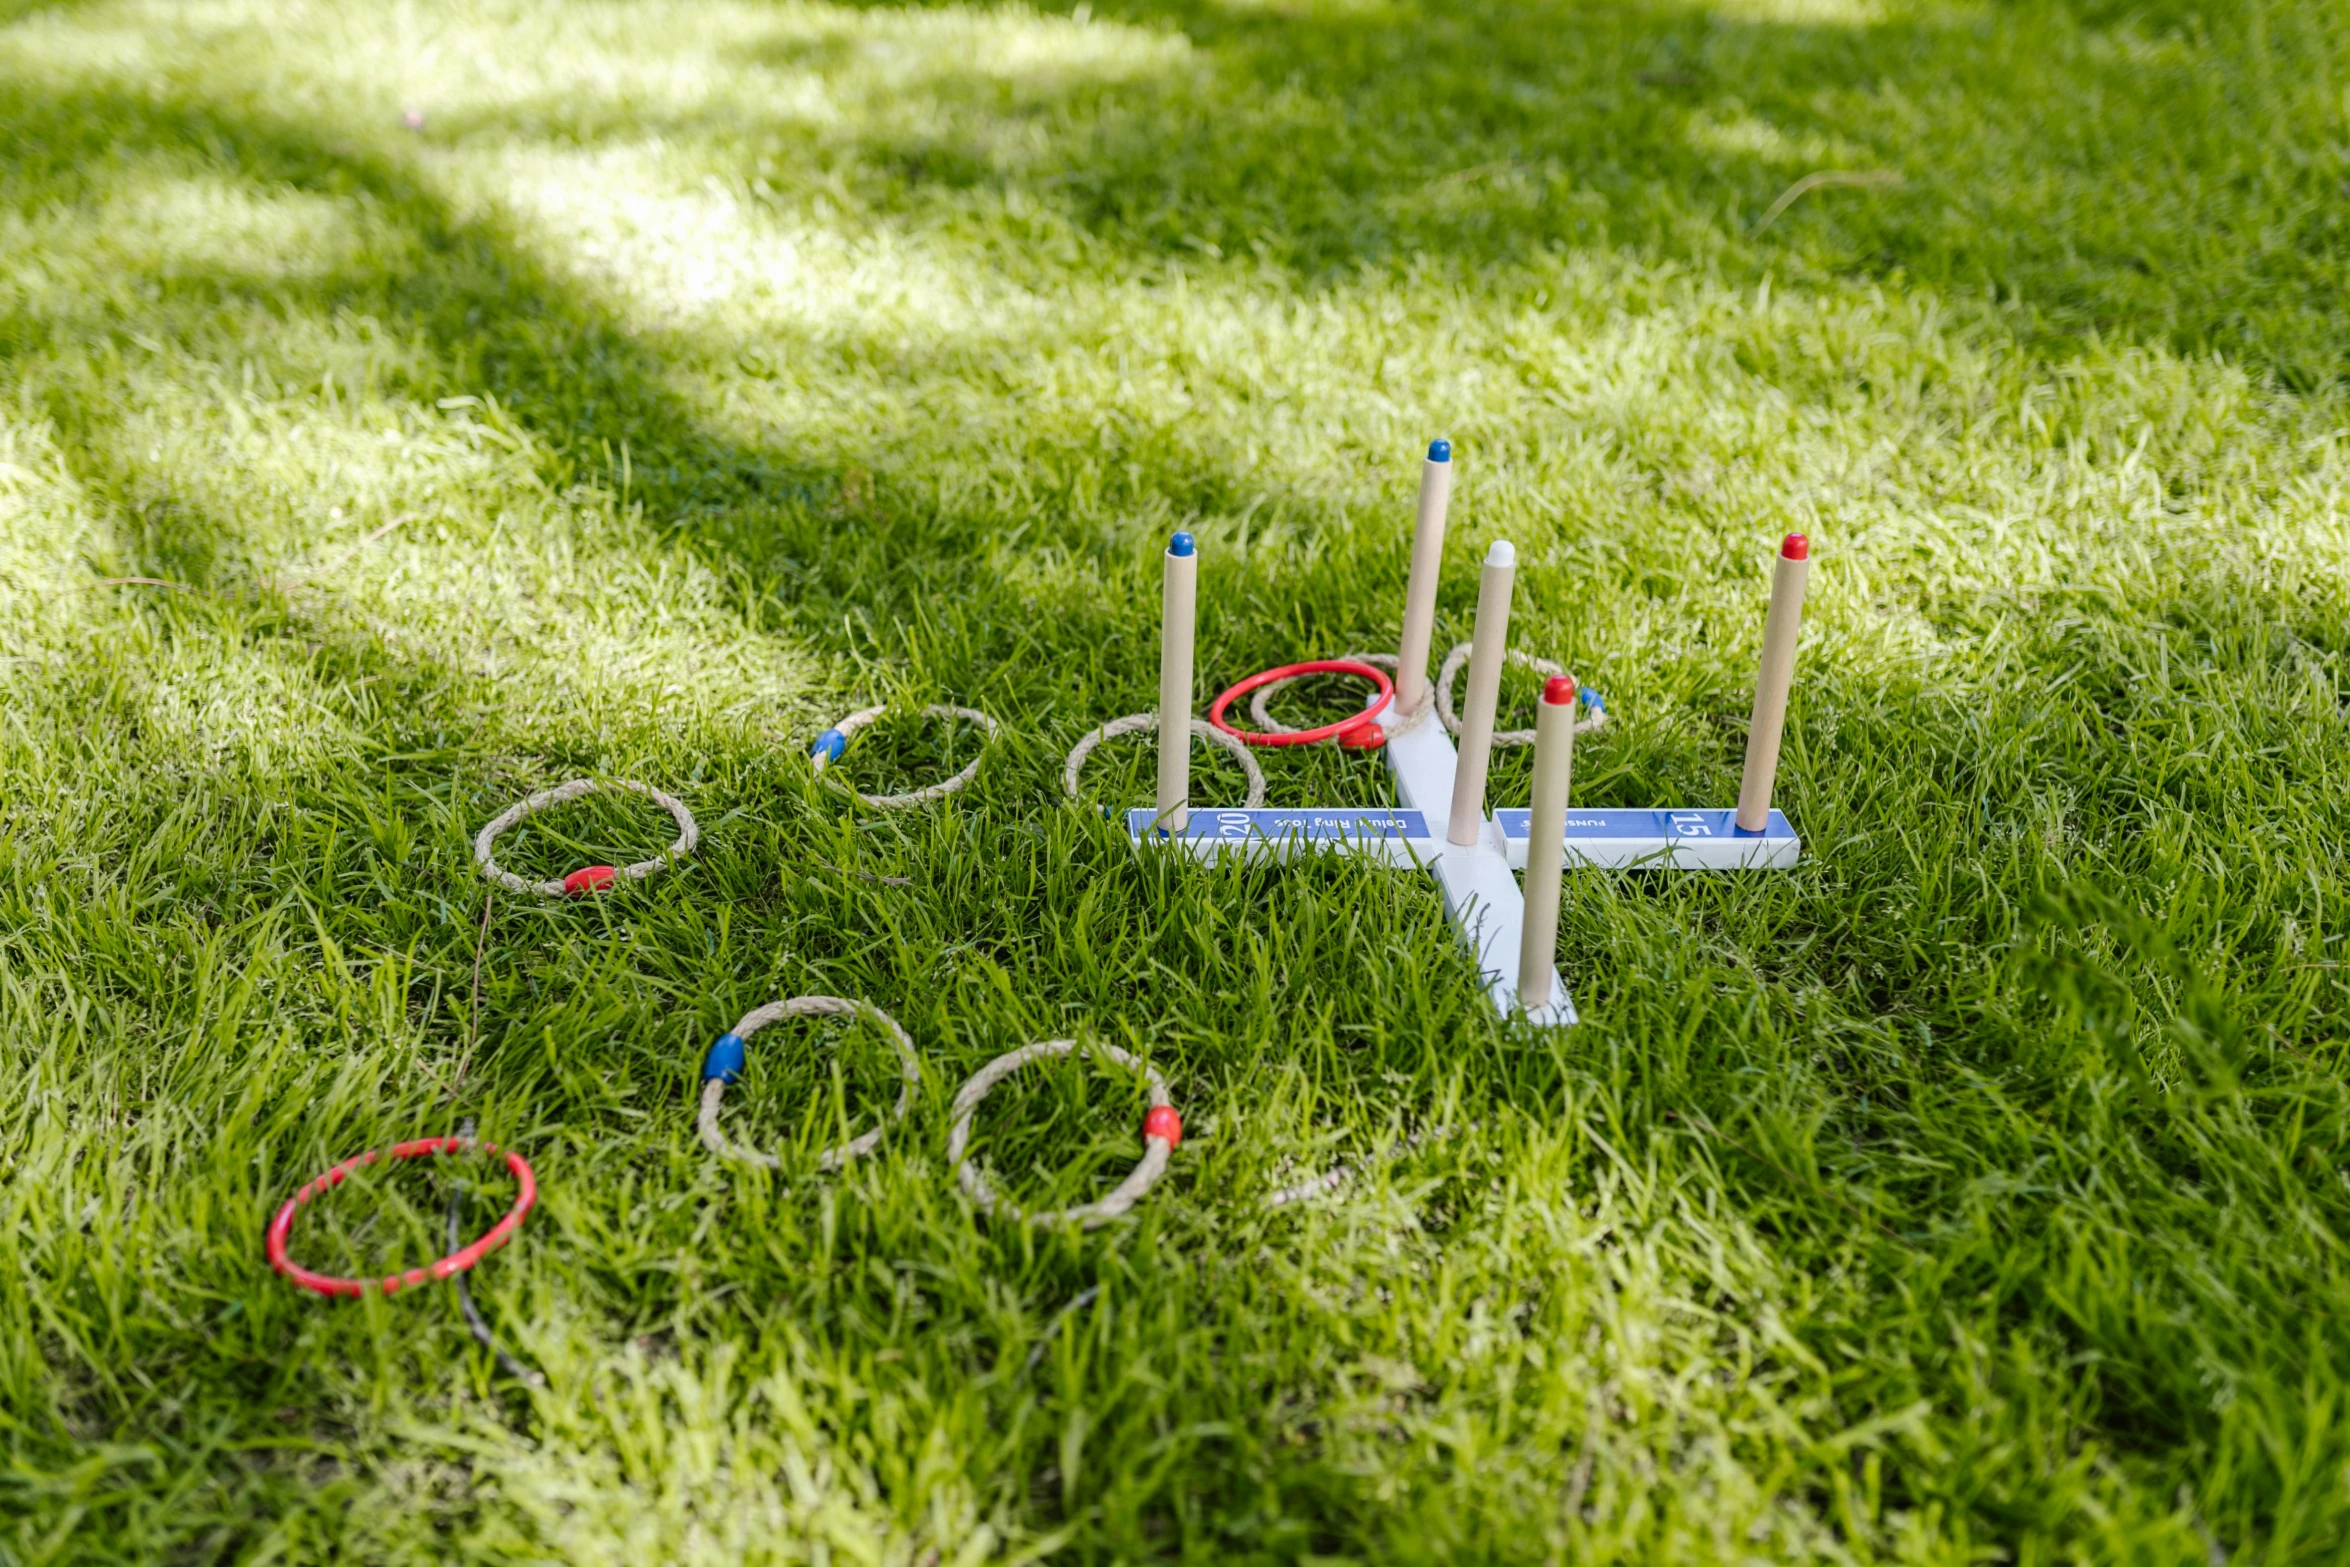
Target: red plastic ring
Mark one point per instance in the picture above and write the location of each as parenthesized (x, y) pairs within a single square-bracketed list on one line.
[(1320, 666), (281, 1227)]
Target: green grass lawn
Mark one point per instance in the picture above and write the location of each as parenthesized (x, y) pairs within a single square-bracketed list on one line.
[(501, 392)]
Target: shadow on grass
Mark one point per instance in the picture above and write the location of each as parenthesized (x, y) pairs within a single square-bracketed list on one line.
[(1301, 145), (2162, 173)]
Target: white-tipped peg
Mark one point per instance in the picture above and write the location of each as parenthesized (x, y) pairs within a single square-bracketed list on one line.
[(1490, 642), (1178, 615)]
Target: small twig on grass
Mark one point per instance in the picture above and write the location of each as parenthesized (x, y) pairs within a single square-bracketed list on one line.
[(1578, 1483), (1821, 181), (473, 1317), (481, 939), (1077, 1303), (136, 582), (2278, 1038), (886, 881), (1789, 1176), (292, 583), (1476, 171), (261, 583)]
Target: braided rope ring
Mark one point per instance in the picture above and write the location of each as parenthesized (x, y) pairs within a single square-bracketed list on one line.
[(724, 1065), (1139, 723), (281, 1227), (1458, 658), (1357, 730), (1162, 1129), (1260, 703), (829, 745), (593, 878), (1339, 1174)]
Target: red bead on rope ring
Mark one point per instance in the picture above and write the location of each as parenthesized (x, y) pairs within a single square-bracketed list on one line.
[(281, 1228), (1358, 733)]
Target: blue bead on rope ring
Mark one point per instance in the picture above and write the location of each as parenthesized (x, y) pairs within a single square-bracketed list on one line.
[(724, 1063)]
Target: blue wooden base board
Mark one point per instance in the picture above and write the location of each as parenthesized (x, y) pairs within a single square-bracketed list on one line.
[(1663, 840), (1380, 834)]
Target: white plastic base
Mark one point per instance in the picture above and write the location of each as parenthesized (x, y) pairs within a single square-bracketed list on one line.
[(1479, 892)]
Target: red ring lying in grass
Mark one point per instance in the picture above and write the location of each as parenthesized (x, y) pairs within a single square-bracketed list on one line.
[(281, 1227), (1347, 731)]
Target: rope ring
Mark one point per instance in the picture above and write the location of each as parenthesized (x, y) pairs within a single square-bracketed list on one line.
[(1458, 658), (1339, 1174), (1140, 723), (829, 745), (1161, 1131), (281, 1228), (1260, 703), (1345, 731), (724, 1065), (591, 878)]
